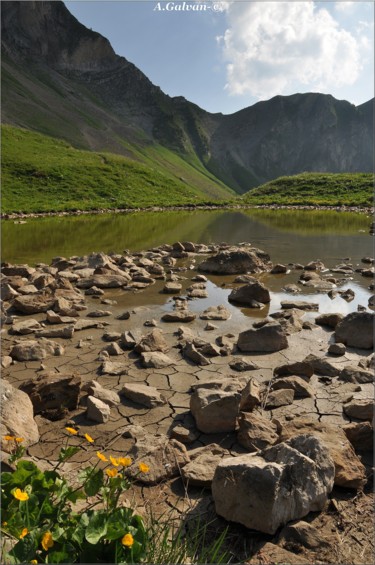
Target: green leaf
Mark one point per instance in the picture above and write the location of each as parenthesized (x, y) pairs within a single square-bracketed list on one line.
[(94, 483), (97, 527), (64, 555), (118, 523), (67, 452), (24, 550)]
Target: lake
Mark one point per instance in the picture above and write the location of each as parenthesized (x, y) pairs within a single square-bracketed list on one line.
[(289, 236)]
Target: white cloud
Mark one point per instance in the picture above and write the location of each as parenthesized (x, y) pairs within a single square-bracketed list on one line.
[(282, 47)]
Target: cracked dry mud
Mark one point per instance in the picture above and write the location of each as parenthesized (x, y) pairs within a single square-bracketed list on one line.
[(347, 519)]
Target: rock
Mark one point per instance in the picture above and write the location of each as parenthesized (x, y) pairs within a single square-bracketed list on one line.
[(268, 338), (253, 291), (360, 409), (250, 396), (32, 350), (256, 432), (96, 390), (34, 303), (292, 288), (185, 334), (150, 323), (190, 352), (235, 261), (281, 397), (215, 411), (303, 534), (331, 320), (17, 271), (216, 313), (104, 281), (199, 278), (278, 269), (65, 332), (243, 365), (367, 362), (156, 360), (17, 417), (139, 393), (369, 260), (349, 471), (201, 469), (111, 336), (360, 435), (88, 324), (94, 291), (322, 365), (172, 288), (128, 340), (50, 391), (337, 349), (114, 368), (282, 483), (164, 460), (99, 314), (153, 341), (124, 316), (210, 327), (113, 349), (6, 361), (25, 327), (197, 293), (356, 330), (298, 368), (8, 292), (54, 318), (97, 411), (271, 553), (290, 320), (297, 384), (183, 316), (299, 305), (184, 435), (353, 374)]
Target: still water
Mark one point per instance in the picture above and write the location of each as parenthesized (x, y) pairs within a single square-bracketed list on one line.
[(288, 236)]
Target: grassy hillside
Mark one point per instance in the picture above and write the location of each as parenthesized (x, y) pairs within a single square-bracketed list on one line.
[(324, 189), (40, 173)]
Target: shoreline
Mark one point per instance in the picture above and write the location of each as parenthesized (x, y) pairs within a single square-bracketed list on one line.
[(355, 209)]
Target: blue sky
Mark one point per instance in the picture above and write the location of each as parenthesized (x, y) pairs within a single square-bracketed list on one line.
[(245, 51)]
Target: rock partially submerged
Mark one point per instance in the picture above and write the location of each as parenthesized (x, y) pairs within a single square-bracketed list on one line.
[(236, 261), (356, 330), (270, 337)]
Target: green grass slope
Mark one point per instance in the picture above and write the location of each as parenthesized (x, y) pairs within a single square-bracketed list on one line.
[(40, 173), (319, 189)]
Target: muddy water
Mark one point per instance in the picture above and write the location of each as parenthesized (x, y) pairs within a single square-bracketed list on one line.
[(288, 236)]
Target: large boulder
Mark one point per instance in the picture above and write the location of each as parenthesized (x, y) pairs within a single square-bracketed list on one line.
[(51, 391), (270, 337), (349, 471), (356, 330), (249, 292), (215, 410), (281, 483), (17, 417), (34, 303), (235, 261)]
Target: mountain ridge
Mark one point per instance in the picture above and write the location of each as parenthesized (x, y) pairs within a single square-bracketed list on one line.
[(66, 81)]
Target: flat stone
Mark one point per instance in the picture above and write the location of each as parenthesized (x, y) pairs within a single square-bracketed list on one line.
[(216, 313), (299, 305), (281, 397), (268, 338), (297, 384), (65, 332), (139, 393), (34, 303), (99, 314), (114, 368), (184, 435), (24, 327), (55, 318), (355, 374), (32, 350), (172, 288), (95, 389), (242, 365), (298, 368), (183, 316), (104, 281), (156, 360)]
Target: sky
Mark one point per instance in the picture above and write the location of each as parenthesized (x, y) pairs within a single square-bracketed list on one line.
[(227, 55)]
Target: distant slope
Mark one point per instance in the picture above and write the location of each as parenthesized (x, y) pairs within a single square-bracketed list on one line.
[(351, 189), (40, 173), (64, 80)]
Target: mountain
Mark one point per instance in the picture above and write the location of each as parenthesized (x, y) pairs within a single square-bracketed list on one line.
[(62, 79)]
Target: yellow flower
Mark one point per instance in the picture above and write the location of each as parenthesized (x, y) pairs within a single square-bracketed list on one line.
[(112, 472), (144, 468), (127, 540), (101, 456), (19, 439), (89, 438), (34, 562), (9, 438), (47, 541), (24, 533), (125, 461), (4, 524), (114, 461), (20, 494), (72, 431)]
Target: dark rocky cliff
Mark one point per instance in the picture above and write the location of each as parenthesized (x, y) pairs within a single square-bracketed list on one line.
[(63, 79)]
